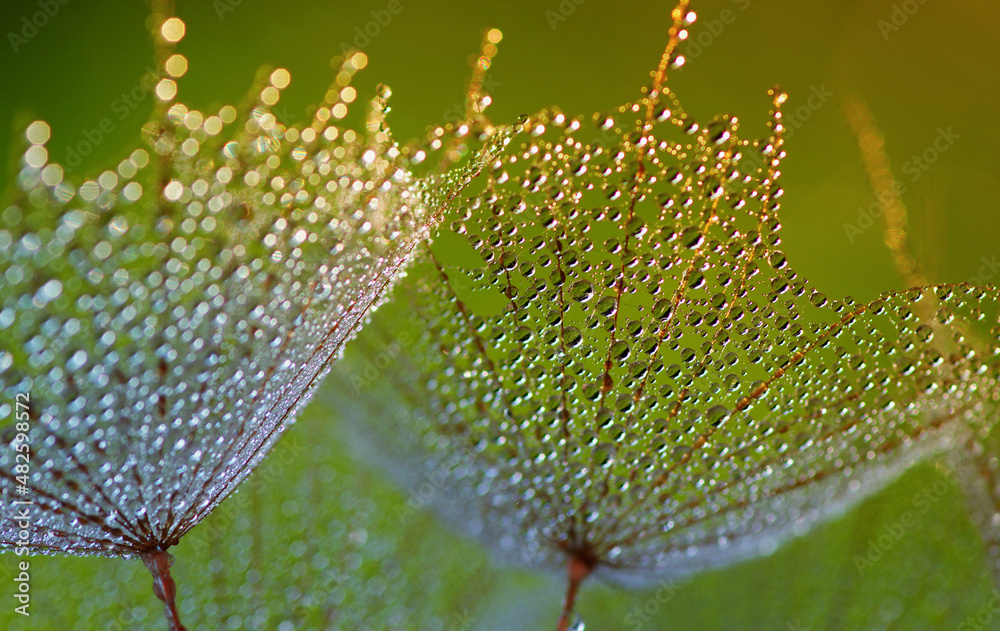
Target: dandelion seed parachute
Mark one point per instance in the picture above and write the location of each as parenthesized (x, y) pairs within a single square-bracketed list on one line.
[(625, 373), (172, 316)]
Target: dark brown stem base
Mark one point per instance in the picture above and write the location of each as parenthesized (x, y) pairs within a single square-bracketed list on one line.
[(577, 569), (158, 563)]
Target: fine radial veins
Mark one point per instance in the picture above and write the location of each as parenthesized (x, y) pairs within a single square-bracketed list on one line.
[(164, 322), (610, 359)]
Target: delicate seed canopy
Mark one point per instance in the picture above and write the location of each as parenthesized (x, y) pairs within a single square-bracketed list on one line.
[(170, 317), (653, 387)]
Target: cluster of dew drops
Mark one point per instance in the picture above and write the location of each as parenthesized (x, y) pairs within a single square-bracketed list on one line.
[(190, 299), (635, 372)]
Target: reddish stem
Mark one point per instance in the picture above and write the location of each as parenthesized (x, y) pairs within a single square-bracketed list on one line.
[(158, 563), (577, 570)]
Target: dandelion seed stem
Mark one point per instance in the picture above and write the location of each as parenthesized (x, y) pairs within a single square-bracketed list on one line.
[(577, 570), (158, 563)]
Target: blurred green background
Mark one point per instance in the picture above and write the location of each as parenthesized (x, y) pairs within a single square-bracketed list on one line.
[(921, 67)]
